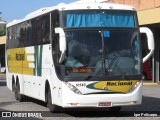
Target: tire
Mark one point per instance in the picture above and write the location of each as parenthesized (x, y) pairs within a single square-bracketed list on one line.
[(15, 91), (13, 87), (17, 94), (52, 107), (115, 109)]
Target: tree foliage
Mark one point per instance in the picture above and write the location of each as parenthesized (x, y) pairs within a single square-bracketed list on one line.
[(3, 31)]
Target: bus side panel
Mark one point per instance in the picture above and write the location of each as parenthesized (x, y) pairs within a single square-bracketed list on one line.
[(37, 69), (32, 86), (14, 58), (8, 76), (8, 79), (32, 72), (49, 74), (32, 66), (56, 89)]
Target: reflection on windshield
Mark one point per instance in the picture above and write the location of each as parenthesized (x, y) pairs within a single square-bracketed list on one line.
[(120, 57), (89, 52), (84, 51)]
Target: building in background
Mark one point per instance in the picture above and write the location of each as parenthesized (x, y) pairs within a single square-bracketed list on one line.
[(139, 4), (2, 46)]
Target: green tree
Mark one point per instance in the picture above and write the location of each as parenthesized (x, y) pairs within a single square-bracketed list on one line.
[(3, 31)]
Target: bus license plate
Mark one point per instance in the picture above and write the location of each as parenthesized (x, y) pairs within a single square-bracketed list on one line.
[(104, 104)]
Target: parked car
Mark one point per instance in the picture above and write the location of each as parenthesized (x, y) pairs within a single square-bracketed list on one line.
[(147, 72), (3, 70)]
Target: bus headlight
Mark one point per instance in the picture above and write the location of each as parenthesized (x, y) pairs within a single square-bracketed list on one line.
[(134, 86), (73, 88)]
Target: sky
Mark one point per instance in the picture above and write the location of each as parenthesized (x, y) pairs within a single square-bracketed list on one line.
[(17, 9)]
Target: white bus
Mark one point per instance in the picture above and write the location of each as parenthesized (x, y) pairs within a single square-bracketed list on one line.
[(82, 54)]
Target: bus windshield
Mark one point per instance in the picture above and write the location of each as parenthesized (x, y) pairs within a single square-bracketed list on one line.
[(84, 53), (101, 41), (89, 52)]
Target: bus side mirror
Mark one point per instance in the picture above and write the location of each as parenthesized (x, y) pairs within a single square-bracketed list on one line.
[(150, 41), (62, 43)]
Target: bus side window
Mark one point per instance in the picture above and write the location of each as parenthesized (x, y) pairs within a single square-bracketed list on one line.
[(30, 34), (23, 34), (11, 43), (8, 37), (17, 36), (38, 31), (46, 28)]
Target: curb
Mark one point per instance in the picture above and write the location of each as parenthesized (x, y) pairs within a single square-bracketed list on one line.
[(151, 84), (3, 76)]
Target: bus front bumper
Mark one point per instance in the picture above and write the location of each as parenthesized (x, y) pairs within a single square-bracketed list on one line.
[(71, 99)]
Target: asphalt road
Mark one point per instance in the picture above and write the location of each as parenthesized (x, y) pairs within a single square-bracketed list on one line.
[(30, 108)]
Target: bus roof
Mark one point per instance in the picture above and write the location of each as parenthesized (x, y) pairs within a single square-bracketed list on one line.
[(78, 5)]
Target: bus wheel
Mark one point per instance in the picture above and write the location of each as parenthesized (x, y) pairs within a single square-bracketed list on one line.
[(18, 96), (114, 109), (15, 91), (52, 107)]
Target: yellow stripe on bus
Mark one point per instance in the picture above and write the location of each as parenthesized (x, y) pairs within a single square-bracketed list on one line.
[(117, 86), (17, 61)]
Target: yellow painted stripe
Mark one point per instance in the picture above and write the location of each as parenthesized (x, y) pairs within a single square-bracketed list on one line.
[(118, 86)]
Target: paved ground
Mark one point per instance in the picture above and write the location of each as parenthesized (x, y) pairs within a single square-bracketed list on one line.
[(149, 107)]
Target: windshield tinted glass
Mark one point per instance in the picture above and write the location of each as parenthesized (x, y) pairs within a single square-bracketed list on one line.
[(103, 18), (122, 52), (84, 54), (91, 51)]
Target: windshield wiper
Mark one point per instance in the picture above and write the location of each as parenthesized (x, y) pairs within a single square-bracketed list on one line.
[(124, 77)]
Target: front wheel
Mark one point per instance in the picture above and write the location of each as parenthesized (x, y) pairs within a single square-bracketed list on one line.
[(52, 107)]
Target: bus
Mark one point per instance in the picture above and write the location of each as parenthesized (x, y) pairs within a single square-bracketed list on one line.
[(85, 54)]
